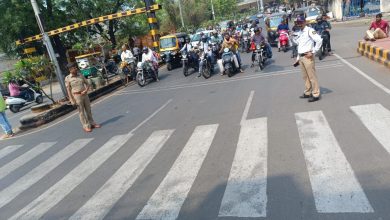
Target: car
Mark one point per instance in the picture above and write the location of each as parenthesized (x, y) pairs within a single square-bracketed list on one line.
[(196, 38)]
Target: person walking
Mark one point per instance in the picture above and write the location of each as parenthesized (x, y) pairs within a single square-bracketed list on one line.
[(4, 123), (306, 39), (77, 87)]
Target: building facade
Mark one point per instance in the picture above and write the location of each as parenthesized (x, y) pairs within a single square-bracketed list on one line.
[(355, 8)]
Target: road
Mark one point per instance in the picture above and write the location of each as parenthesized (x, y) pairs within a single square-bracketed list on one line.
[(224, 148)]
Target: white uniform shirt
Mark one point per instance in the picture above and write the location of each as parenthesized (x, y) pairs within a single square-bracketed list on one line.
[(306, 39), (126, 55), (149, 56)]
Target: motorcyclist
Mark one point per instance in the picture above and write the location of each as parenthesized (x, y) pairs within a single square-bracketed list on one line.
[(216, 38), (192, 57), (231, 44), (323, 25), (205, 47), (17, 91), (149, 56), (257, 39), (126, 58), (283, 26)]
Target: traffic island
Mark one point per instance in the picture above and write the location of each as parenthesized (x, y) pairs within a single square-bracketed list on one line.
[(42, 115), (378, 50)]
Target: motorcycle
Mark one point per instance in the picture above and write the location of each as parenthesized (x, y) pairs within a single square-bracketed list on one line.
[(228, 62), (245, 43), (16, 103), (145, 72), (261, 55), (207, 65), (172, 59), (283, 40), (128, 68), (325, 44), (188, 63)]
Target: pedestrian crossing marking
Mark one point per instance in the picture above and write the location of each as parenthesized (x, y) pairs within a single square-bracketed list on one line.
[(12, 191), (246, 190), (105, 198), (335, 187), (168, 198), (24, 158), (376, 118), (9, 149), (37, 208)]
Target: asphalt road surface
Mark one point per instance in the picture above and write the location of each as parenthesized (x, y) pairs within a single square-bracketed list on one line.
[(244, 147)]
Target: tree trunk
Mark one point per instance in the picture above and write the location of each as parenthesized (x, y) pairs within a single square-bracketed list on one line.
[(111, 33)]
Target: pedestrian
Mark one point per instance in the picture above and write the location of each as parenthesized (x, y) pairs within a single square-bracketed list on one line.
[(77, 87), (306, 39), (4, 123)]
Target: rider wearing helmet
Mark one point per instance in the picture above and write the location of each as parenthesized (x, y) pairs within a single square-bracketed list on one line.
[(323, 25), (189, 50), (204, 46), (149, 56), (257, 39)]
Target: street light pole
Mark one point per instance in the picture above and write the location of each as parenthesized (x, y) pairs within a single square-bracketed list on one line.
[(49, 47), (261, 6), (181, 14), (212, 10)]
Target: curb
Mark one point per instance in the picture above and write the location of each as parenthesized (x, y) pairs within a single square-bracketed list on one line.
[(36, 120), (374, 53)]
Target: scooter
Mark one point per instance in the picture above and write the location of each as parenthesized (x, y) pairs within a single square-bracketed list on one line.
[(16, 103), (283, 40), (228, 62)]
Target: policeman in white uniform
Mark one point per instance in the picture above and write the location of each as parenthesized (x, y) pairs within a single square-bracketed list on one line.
[(306, 40)]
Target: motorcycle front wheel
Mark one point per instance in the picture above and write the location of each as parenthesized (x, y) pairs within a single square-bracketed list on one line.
[(141, 79), (185, 69), (207, 71)]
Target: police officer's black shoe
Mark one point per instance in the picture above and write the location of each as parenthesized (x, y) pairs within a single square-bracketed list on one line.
[(314, 99), (304, 96)]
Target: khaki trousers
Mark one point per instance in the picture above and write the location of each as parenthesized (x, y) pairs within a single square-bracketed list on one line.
[(377, 34), (84, 107), (309, 76)]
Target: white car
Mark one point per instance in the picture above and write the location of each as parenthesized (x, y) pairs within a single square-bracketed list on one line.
[(196, 38)]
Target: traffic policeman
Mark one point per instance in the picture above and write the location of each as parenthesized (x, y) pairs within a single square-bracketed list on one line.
[(309, 43), (77, 87)]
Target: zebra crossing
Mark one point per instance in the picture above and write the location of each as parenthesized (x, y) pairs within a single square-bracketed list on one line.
[(332, 179)]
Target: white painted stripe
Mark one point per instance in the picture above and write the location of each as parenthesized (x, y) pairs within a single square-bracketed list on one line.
[(12, 191), (105, 198), (335, 187), (247, 106), (246, 190), (37, 208), (7, 150), (24, 158), (369, 78), (167, 200), (377, 120)]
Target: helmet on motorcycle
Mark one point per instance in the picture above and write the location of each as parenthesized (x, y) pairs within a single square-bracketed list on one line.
[(145, 49)]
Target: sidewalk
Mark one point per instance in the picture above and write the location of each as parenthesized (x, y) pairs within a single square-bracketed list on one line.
[(360, 20), (378, 50)]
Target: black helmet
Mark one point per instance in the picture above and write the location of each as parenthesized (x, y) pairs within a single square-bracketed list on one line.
[(145, 49), (256, 29), (188, 39)]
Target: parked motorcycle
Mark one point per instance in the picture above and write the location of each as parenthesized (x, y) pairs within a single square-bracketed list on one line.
[(188, 62), (16, 103), (145, 72), (283, 40), (228, 62)]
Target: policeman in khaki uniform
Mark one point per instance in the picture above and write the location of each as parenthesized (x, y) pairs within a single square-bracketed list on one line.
[(306, 38), (77, 87)]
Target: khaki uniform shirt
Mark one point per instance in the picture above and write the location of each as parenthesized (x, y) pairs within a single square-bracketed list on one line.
[(76, 83)]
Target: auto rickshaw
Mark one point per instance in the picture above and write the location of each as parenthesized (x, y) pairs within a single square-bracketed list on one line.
[(272, 23), (170, 46)]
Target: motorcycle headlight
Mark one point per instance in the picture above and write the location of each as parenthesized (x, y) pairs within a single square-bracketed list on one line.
[(258, 47), (184, 55)]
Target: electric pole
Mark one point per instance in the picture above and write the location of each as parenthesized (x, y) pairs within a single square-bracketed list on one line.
[(212, 10), (181, 14), (49, 47)]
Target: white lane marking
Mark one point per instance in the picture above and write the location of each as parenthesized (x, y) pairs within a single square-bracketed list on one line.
[(105, 198), (246, 190), (151, 116), (37, 208), (167, 200), (335, 187), (372, 80), (376, 118), (12, 191), (222, 81), (247, 106), (9, 149), (24, 158)]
